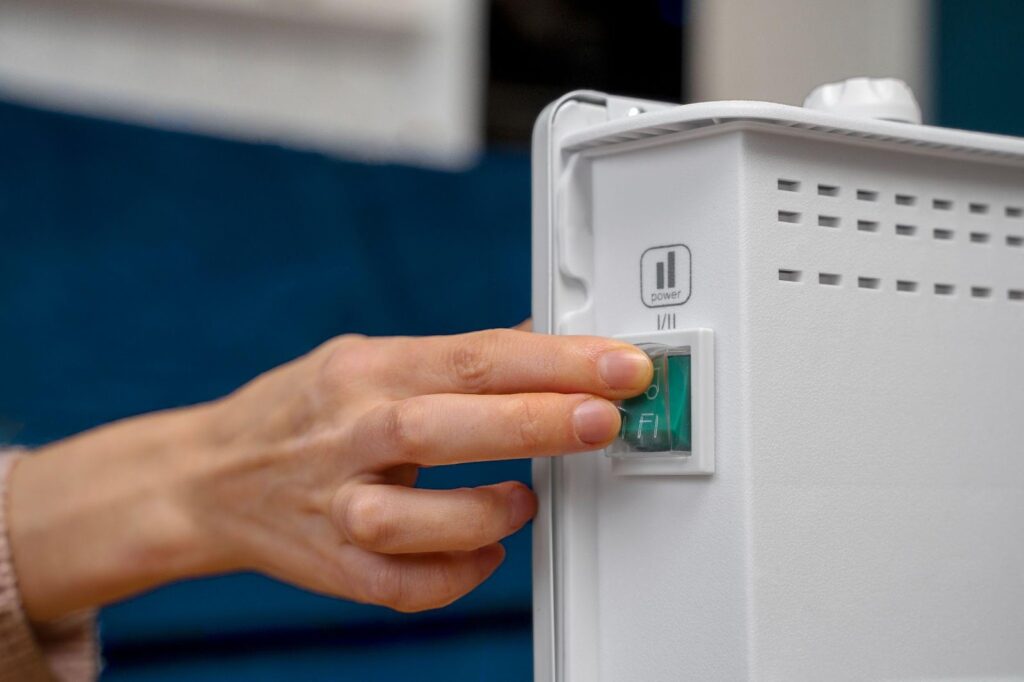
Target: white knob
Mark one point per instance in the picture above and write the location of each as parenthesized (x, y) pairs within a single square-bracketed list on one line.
[(886, 98)]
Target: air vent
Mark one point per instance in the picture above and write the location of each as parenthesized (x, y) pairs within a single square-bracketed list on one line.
[(906, 286), (790, 275), (868, 282), (935, 266), (829, 279)]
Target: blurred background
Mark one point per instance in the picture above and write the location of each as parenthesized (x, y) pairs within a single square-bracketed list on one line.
[(192, 191)]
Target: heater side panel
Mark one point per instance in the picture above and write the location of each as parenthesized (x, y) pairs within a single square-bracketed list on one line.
[(885, 299)]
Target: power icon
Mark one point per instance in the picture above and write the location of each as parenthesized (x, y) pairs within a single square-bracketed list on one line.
[(665, 274)]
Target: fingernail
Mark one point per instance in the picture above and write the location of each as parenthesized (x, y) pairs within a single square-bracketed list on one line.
[(522, 506), (624, 369), (595, 421)]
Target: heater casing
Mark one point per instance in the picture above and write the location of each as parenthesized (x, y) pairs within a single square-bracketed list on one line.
[(860, 513)]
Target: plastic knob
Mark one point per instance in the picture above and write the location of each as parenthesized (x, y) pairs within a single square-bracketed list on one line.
[(886, 98)]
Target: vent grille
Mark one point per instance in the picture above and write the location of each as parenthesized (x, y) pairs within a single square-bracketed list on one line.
[(972, 227)]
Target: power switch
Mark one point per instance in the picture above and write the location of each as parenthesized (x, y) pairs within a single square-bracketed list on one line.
[(659, 419)]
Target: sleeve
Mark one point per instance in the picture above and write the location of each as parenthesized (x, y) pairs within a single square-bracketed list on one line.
[(65, 650)]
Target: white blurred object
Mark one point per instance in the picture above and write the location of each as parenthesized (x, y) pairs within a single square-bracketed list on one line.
[(778, 50), (889, 99), (396, 80)]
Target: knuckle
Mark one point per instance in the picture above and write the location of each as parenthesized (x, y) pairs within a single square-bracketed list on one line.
[(386, 587), (440, 586), (344, 357), (488, 515), (527, 424), (477, 518), (408, 590), (404, 429), (471, 364), (366, 519), (450, 586)]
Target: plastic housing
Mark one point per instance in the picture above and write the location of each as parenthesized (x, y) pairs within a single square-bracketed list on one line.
[(864, 283)]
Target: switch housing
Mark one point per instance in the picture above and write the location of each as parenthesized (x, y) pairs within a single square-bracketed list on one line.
[(670, 428)]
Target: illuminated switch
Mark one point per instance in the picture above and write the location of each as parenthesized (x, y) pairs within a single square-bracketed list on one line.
[(659, 419)]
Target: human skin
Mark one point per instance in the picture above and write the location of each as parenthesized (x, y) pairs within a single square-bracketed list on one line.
[(307, 472)]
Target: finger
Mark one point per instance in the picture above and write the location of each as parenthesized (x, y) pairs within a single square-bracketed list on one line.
[(525, 326), (417, 582), (452, 428), (394, 519), (512, 361)]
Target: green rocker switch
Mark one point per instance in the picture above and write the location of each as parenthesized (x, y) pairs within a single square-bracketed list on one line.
[(659, 419)]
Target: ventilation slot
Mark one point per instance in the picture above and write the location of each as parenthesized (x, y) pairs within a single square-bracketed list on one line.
[(867, 226), (906, 230), (868, 282), (828, 221), (981, 292), (867, 195), (1014, 212), (942, 234), (944, 289), (828, 190), (906, 286), (979, 237), (978, 209), (942, 204), (789, 185), (828, 279), (789, 217), (1015, 294), (1014, 240), (905, 200), (789, 275)]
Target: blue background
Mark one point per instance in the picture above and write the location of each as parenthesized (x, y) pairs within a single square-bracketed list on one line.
[(141, 269)]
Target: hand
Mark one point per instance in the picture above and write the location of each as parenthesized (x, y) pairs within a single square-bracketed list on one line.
[(307, 472)]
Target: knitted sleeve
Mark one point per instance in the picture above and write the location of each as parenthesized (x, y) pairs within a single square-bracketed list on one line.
[(65, 650)]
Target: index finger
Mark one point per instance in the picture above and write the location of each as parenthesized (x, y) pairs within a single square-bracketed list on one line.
[(504, 361)]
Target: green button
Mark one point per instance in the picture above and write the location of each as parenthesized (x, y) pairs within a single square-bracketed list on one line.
[(658, 420)]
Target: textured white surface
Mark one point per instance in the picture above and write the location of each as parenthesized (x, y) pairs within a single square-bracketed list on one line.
[(866, 291), (886, 470)]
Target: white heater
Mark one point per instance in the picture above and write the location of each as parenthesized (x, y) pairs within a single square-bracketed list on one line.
[(826, 481)]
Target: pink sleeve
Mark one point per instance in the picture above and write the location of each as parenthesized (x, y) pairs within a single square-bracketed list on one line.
[(65, 650)]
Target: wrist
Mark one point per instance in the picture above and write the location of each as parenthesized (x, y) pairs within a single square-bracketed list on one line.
[(105, 514)]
